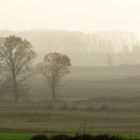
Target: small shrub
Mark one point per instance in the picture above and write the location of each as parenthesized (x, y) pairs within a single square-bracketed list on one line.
[(83, 137), (39, 137), (102, 137), (60, 137), (107, 137), (98, 137)]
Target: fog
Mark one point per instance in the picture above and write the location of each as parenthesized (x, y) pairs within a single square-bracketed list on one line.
[(82, 15), (69, 67)]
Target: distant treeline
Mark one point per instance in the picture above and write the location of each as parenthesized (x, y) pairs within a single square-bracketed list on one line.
[(86, 49), (17, 55)]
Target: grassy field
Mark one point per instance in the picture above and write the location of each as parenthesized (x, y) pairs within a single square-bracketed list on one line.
[(41, 120), (89, 82), (15, 136), (99, 100), (27, 136)]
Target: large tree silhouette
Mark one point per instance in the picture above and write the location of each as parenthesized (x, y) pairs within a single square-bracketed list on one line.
[(15, 57), (54, 67)]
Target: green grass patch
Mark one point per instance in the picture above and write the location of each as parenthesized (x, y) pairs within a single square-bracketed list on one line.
[(27, 136), (15, 136)]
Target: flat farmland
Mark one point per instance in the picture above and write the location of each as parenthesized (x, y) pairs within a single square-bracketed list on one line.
[(98, 99), (88, 82)]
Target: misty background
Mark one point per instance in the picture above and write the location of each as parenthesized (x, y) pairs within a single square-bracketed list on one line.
[(102, 40), (84, 30)]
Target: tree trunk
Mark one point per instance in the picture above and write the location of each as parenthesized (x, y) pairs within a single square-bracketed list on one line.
[(53, 92), (15, 88)]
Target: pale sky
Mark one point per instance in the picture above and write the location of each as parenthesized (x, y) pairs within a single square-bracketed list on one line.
[(84, 15)]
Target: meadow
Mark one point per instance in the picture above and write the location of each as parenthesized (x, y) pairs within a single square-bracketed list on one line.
[(98, 100)]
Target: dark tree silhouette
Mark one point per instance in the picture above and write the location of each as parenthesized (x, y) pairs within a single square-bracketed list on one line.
[(15, 57), (39, 137), (54, 67)]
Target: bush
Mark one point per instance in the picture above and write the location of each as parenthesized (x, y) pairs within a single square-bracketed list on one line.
[(60, 137), (83, 137), (39, 137), (98, 137), (102, 137), (80, 137)]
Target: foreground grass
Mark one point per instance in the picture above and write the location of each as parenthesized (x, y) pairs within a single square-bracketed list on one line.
[(15, 136), (27, 136)]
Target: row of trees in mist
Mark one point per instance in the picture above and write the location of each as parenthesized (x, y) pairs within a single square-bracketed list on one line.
[(16, 65), (80, 42)]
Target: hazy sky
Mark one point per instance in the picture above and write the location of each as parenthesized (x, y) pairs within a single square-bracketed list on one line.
[(84, 15)]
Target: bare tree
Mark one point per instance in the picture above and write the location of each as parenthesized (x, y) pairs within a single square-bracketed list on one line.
[(15, 57), (54, 67), (109, 59)]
